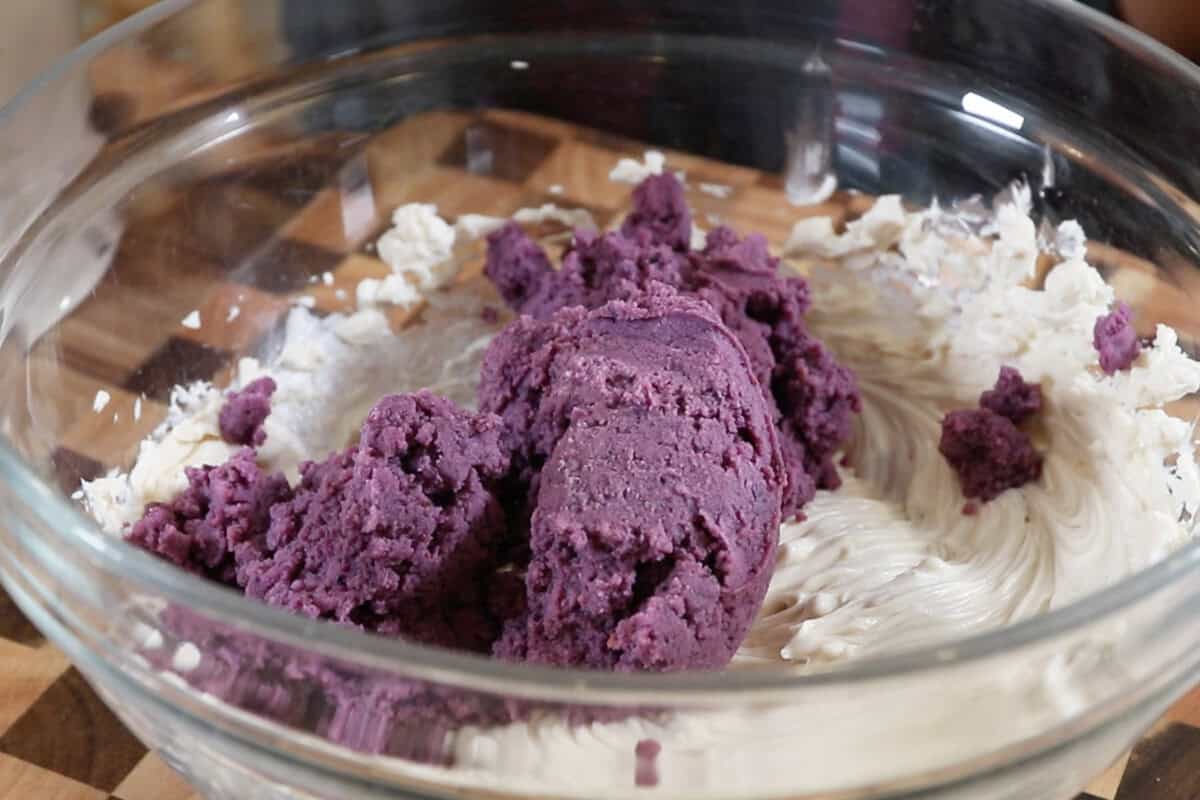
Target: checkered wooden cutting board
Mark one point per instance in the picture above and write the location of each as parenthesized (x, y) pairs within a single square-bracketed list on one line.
[(283, 220)]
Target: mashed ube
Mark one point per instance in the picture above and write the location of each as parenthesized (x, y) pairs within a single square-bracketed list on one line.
[(646, 450), (659, 411), (397, 534), (811, 397)]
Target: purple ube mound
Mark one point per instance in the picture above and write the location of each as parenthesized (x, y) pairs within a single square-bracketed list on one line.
[(989, 453), (650, 461), (810, 396), (398, 534), (653, 414)]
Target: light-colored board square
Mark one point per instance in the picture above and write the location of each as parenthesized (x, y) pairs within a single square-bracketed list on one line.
[(582, 169), (698, 170), (401, 155), (1187, 710), (257, 312), (66, 413), (339, 219), (1106, 785), (116, 333), (20, 780), (764, 210), (27, 673), (152, 779), (420, 140), (533, 123), (346, 276)]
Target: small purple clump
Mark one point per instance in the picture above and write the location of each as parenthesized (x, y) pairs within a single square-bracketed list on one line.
[(1115, 339), (989, 453), (242, 417), (516, 265), (660, 214), (985, 446), (218, 522), (1012, 397), (646, 753), (596, 269)]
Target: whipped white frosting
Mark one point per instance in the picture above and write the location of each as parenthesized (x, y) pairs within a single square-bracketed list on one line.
[(925, 306), (630, 170), (925, 318)]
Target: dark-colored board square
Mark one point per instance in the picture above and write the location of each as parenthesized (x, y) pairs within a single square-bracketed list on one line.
[(226, 223), (149, 244), (770, 180), (1165, 766), (177, 361), (285, 265), (292, 173), (112, 111), (71, 467), (209, 229), (69, 731), (510, 154), (14, 626), (295, 181), (605, 140)]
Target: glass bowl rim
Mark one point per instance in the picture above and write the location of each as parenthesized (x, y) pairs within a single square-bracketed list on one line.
[(66, 521)]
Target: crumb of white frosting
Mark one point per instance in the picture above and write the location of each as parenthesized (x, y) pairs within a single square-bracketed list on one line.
[(549, 212), (395, 290), (629, 170), (419, 244), (717, 190)]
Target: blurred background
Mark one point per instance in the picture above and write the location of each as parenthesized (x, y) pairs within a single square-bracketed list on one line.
[(33, 33)]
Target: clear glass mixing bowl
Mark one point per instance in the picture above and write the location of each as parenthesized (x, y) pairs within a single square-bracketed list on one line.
[(209, 154)]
